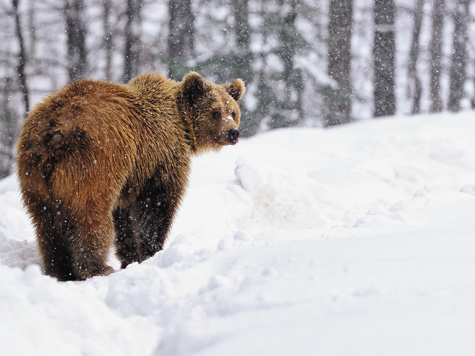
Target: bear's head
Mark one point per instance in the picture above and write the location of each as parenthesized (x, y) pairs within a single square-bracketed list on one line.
[(214, 112)]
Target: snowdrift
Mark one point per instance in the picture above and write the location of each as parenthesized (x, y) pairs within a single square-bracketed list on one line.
[(356, 240)]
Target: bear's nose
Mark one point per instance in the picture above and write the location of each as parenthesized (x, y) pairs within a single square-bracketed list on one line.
[(233, 136)]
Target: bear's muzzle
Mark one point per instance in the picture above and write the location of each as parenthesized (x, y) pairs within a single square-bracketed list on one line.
[(233, 136)]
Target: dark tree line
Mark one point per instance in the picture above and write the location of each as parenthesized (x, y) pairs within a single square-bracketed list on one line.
[(297, 57)]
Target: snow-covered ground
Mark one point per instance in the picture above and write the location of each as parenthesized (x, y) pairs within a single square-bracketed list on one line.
[(356, 240)]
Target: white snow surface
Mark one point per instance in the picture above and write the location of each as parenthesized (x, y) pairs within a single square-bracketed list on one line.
[(356, 240)]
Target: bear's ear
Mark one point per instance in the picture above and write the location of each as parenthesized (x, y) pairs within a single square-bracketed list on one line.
[(236, 89), (194, 87)]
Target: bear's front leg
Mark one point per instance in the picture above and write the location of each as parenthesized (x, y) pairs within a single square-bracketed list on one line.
[(126, 245), (142, 227), (153, 216)]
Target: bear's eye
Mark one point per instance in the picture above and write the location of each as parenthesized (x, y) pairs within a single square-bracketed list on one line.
[(216, 115), (233, 114)]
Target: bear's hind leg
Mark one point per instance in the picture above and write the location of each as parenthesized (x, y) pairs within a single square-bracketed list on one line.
[(51, 239), (90, 244), (56, 257), (57, 260)]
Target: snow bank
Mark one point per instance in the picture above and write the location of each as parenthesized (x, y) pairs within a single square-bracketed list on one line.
[(353, 240)]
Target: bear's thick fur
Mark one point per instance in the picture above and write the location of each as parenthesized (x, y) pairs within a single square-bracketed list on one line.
[(100, 163)]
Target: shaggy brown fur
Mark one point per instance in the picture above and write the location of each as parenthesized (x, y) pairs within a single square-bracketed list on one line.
[(102, 162)]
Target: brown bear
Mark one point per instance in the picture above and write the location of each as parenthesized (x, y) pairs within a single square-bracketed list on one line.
[(101, 162)]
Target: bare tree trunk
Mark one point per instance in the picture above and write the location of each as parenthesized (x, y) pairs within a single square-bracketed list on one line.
[(338, 102), (180, 37), (7, 135), (457, 67), (32, 28), (132, 40), (414, 80), (243, 39), (108, 36), (292, 77), (384, 58), (436, 54), (22, 59), (241, 18), (243, 67), (289, 108), (76, 38)]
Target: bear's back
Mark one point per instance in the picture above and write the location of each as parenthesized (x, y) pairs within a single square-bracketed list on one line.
[(86, 99), (119, 126)]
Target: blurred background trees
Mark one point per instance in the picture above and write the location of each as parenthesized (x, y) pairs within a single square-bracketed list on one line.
[(305, 62), (338, 97), (384, 57)]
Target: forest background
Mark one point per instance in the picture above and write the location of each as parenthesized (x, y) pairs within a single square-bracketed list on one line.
[(305, 62)]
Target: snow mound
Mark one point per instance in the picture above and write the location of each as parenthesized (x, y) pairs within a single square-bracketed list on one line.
[(286, 244), (279, 198)]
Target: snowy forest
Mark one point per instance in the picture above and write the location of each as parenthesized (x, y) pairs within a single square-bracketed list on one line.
[(342, 224), (305, 62)]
